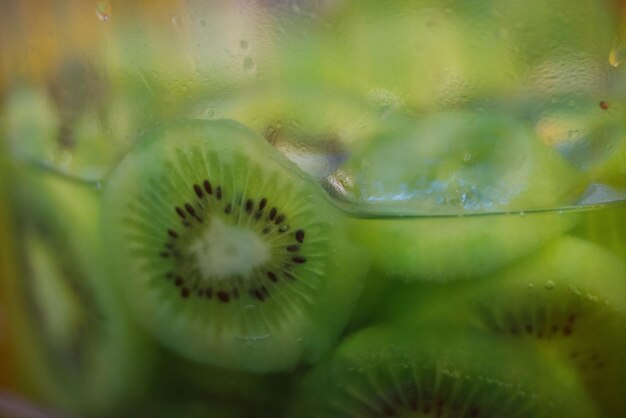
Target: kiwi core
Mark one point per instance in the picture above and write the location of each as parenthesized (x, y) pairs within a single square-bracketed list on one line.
[(223, 251)]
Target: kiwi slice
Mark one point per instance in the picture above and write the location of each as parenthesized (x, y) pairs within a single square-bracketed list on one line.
[(229, 254), (77, 347), (569, 301), (313, 125), (413, 186), (57, 128), (423, 371), (427, 55)]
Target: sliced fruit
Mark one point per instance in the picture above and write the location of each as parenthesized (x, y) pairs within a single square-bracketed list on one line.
[(78, 348), (424, 371), (312, 125), (455, 164), (228, 254), (569, 301), (427, 55), (77, 137)]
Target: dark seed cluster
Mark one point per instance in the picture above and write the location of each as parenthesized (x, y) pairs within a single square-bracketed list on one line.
[(541, 327), (189, 283)]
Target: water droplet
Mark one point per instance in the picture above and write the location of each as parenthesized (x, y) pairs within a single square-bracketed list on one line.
[(249, 327), (103, 10), (616, 56), (249, 65), (243, 44), (522, 214), (467, 156), (549, 285), (176, 21), (531, 285)]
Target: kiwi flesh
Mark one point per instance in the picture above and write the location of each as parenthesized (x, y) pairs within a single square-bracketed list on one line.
[(569, 301), (228, 253), (78, 348), (414, 186), (422, 371)]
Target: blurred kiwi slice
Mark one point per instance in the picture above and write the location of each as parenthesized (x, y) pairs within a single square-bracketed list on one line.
[(569, 301), (78, 346), (227, 252), (421, 371), (421, 191), (313, 125), (78, 124), (427, 55)]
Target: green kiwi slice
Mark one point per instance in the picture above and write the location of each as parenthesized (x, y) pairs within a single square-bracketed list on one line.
[(78, 347), (569, 301), (413, 186), (314, 126), (229, 254), (425, 371), (57, 128)]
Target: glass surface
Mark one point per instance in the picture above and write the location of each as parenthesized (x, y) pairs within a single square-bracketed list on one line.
[(312, 208)]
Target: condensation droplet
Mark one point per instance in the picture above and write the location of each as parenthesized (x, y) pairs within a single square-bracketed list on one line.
[(467, 156), (248, 327), (616, 56), (248, 65), (531, 285), (549, 285), (103, 10), (522, 214), (243, 44)]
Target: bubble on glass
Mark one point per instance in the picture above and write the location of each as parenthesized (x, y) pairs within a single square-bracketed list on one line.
[(618, 51), (550, 285), (249, 65), (243, 44), (103, 10), (249, 326), (176, 21)]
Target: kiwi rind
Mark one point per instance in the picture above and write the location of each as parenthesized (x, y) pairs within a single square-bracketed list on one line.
[(108, 361), (169, 164), (402, 371), (433, 239)]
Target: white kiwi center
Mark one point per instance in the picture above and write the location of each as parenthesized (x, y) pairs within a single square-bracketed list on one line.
[(224, 250)]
